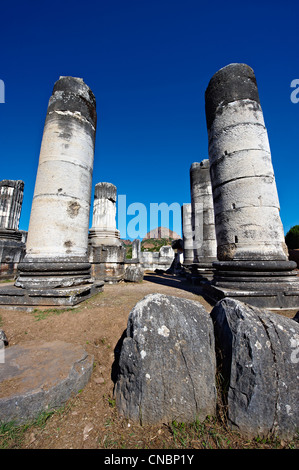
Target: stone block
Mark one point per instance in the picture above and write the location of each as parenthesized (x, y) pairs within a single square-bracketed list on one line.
[(167, 362), (133, 274)]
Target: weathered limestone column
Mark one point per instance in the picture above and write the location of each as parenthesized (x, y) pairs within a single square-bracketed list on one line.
[(203, 224), (58, 230), (106, 251), (252, 254), (11, 198), (188, 249), (12, 249), (103, 230)]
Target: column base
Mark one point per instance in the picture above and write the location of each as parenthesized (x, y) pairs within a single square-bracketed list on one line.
[(264, 284), (12, 251)]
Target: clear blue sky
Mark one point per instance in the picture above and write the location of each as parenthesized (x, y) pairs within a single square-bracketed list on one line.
[(148, 63)]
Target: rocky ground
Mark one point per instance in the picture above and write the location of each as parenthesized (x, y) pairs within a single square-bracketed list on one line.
[(90, 420)]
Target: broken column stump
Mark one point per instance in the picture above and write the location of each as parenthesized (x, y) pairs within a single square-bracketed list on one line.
[(167, 362), (37, 377), (12, 248), (106, 251), (253, 263)]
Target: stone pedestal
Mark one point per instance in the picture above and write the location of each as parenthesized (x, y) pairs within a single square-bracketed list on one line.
[(57, 243), (203, 225), (12, 248), (136, 249), (106, 251), (252, 256)]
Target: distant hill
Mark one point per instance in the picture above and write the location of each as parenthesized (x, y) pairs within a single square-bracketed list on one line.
[(161, 232), (150, 244)]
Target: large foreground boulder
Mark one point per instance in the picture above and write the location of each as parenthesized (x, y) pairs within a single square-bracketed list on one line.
[(167, 362), (260, 365), (37, 377)]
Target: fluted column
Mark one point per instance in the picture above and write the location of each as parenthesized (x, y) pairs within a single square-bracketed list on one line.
[(188, 242), (202, 213), (103, 230), (11, 198)]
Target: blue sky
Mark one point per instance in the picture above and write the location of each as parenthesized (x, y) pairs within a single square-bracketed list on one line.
[(148, 63)]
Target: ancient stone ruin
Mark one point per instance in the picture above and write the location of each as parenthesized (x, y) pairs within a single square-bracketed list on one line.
[(187, 232), (12, 247), (167, 362), (106, 251), (38, 376), (253, 263), (56, 269), (166, 368)]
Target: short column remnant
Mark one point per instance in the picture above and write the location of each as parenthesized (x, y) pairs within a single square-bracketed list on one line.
[(203, 224), (55, 269), (106, 251), (12, 248), (253, 263), (133, 269), (167, 364), (258, 367)]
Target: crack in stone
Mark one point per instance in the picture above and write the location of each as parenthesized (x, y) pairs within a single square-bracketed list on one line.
[(275, 362)]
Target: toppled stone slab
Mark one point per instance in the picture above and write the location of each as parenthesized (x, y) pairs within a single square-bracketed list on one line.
[(37, 377), (12, 295), (260, 365), (133, 274), (167, 362)]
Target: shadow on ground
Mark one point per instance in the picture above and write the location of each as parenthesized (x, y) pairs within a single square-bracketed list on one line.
[(177, 281)]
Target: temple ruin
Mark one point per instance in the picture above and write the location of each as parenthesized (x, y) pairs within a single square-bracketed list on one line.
[(12, 246), (56, 269), (253, 263), (106, 251)]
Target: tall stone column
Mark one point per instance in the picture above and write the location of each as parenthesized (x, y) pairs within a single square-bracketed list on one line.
[(252, 254), (136, 249), (57, 241), (12, 249), (103, 230), (106, 251), (188, 248), (203, 224)]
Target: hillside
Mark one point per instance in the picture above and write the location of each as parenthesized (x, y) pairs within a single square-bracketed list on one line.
[(161, 232)]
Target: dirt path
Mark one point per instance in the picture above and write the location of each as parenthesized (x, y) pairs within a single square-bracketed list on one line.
[(90, 419)]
